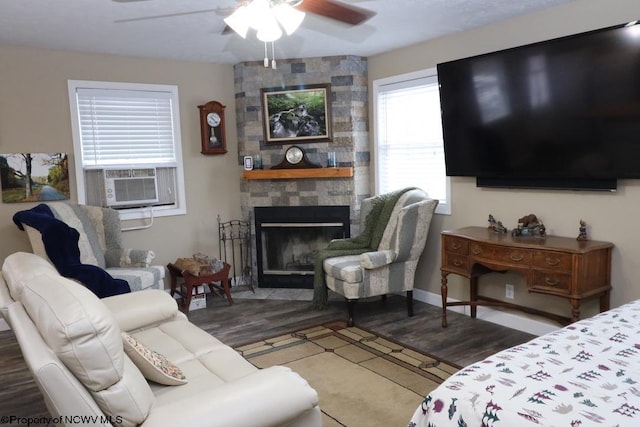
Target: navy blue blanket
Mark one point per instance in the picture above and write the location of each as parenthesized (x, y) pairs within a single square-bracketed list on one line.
[(61, 244)]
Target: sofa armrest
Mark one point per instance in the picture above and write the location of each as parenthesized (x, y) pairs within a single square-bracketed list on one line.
[(268, 397), (128, 258), (377, 259), (5, 299), (142, 309)]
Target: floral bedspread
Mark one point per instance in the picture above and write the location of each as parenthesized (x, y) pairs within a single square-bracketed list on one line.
[(586, 374)]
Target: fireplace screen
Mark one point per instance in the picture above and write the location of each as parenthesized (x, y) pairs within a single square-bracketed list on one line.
[(289, 238), (292, 248)]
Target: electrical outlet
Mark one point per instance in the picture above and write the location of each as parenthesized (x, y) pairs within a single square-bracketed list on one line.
[(509, 291)]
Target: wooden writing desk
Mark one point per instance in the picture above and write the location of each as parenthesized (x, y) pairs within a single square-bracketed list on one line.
[(552, 265)]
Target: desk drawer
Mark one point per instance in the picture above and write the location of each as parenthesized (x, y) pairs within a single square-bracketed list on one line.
[(501, 254), (548, 280), (456, 245), (455, 262), (555, 261)]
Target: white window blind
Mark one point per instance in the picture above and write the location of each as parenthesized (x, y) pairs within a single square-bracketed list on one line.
[(125, 127), (119, 125), (409, 145)]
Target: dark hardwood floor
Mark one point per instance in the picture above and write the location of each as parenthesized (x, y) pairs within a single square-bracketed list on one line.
[(464, 341)]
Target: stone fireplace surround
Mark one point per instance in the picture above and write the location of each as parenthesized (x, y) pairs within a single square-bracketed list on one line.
[(349, 106)]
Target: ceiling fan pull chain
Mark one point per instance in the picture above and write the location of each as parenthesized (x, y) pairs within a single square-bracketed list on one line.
[(273, 55), (266, 58)]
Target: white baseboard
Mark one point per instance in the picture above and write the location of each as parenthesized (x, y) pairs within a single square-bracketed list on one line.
[(4, 326), (500, 317)]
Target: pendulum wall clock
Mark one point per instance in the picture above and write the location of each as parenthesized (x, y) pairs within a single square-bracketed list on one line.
[(214, 139)]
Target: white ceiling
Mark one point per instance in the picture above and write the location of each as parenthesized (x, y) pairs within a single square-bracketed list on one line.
[(194, 34)]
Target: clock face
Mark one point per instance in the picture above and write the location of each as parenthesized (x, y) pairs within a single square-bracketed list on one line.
[(294, 155), (213, 119)]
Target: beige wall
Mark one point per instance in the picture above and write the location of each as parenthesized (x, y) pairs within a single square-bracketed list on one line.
[(611, 216), (34, 117)]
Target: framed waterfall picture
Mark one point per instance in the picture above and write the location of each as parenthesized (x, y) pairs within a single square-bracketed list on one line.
[(297, 114)]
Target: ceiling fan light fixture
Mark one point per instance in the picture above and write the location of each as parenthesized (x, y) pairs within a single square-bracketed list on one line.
[(239, 21), (269, 30), (258, 10), (289, 17)]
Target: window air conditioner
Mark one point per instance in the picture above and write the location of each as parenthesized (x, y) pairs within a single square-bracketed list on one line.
[(130, 187)]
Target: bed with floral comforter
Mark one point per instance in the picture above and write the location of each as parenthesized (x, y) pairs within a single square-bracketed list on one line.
[(586, 374)]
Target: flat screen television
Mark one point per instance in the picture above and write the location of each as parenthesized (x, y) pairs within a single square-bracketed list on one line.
[(563, 113)]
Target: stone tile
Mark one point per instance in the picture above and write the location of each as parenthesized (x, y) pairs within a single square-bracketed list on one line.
[(260, 293), (304, 295), (276, 294)]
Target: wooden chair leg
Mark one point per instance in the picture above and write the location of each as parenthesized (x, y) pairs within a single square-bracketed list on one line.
[(350, 304), (410, 303), (227, 290)]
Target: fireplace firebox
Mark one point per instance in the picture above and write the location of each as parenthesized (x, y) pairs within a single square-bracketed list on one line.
[(288, 239)]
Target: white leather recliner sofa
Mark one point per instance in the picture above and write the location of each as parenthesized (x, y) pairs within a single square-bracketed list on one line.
[(73, 344)]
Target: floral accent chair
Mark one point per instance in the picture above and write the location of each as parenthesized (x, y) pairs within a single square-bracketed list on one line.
[(100, 244)]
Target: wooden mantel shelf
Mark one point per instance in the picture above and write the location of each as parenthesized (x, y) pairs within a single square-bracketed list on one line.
[(299, 173)]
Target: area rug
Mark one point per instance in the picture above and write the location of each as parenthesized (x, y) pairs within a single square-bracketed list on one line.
[(362, 379)]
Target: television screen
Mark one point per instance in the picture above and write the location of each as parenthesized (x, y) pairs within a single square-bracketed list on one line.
[(564, 109)]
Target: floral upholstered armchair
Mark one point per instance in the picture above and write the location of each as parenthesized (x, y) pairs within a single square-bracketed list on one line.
[(100, 244)]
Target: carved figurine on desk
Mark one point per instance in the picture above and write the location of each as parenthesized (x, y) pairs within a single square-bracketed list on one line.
[(529, 225), (583, 231), (496, 226)]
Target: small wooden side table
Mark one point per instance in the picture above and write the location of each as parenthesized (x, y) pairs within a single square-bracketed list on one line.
[(190, 281)]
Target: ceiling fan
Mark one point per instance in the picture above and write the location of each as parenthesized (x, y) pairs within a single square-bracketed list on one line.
[(331, 9)]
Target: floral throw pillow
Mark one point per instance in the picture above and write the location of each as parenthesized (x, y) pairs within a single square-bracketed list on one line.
[(153, 365)]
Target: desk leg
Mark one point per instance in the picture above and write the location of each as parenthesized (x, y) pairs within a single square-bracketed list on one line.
[(575, 310), (473, 296), (604, 301), (443, 292)]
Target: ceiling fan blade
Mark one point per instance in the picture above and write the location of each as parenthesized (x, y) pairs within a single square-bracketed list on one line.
[(168, 15), (336, 10)]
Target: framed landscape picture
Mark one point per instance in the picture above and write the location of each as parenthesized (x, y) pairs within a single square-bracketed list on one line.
[(34, 177), (297, 114)]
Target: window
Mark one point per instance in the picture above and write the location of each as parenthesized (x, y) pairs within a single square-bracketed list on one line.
[(134, 129), (409, 149)]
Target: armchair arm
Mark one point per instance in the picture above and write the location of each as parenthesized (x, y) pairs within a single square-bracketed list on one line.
[(268, 397), (376, 259), (137, 310), (129, 257)]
